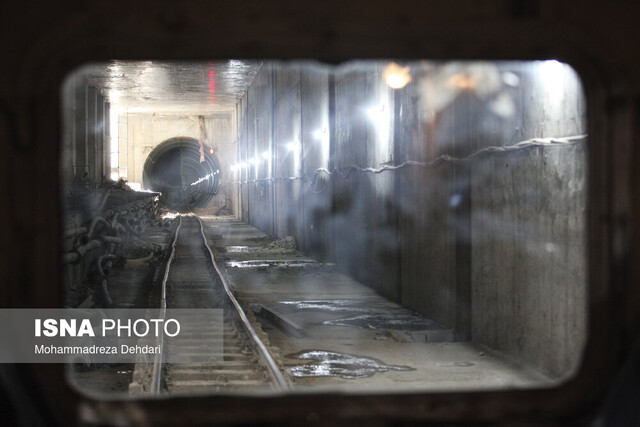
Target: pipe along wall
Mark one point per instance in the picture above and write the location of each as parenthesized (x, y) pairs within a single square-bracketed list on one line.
[(443, 195)]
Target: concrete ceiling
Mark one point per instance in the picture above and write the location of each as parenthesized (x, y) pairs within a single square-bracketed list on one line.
[(173, 87)]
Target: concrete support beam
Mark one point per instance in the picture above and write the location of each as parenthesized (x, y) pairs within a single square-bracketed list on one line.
[(93, 149), (107, 138), (81, 131), (101, 172)]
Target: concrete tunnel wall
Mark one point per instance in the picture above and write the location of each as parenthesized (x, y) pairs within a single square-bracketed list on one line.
[(492, 247), (85, 135)]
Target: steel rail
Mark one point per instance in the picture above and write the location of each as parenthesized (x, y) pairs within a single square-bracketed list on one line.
[(275, 373), (157, 363)]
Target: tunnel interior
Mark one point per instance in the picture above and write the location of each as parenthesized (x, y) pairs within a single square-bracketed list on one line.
[(428, 214), (186, 173)]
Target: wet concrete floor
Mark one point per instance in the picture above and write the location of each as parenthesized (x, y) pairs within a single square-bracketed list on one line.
[(329, 331)]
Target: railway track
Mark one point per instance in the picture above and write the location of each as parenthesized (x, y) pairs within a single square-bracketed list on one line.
[(192, 279)]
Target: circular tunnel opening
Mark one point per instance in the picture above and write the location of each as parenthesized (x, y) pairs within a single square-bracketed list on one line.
[(174, 168)]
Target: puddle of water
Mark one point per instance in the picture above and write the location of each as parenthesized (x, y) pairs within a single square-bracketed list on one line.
[(334, 306), (333, 364), (455, 364), (273, 263), (238, 249), (397, 321)]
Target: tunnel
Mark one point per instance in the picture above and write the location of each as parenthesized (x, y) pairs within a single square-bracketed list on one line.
[(174, 168), (417, 213), (377, 225)]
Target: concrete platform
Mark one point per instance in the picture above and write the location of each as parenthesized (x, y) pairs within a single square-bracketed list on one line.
[(330, 331)]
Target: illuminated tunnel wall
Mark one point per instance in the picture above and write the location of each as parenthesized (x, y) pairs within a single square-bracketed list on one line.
[(174, 169), (434, 197)]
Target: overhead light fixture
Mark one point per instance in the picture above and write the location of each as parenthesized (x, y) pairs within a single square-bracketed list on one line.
[(291, 146), (320, 134), (552, 75), (376, 113), (462, 80), (396, 76)]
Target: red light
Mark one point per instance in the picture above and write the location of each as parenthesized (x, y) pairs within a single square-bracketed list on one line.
[(210, 150), (212, 82)]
